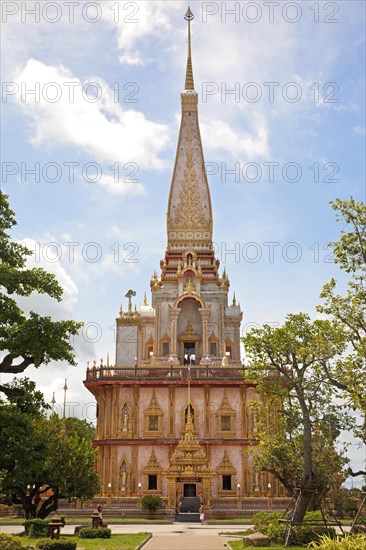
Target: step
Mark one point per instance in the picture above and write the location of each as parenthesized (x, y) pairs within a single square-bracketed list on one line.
[(187, 517)]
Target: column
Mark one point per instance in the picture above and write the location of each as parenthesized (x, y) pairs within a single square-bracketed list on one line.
[(174, 314), (205, 314), (171, 492)]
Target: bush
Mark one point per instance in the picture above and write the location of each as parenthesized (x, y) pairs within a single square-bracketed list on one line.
[(268, 524), (92, 533), (35, 528), (61, 544), (349, 542), (261, 519), (152, 502), (9, 542)]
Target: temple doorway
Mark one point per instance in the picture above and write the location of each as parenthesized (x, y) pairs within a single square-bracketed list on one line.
[(189, 353), (189, 490)]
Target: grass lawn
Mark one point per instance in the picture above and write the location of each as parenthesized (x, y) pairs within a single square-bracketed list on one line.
[(238, 545), (116, 542)]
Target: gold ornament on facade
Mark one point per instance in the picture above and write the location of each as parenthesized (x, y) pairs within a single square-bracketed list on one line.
[(189, 286), (226, 467), (190, 215), (153, 466)]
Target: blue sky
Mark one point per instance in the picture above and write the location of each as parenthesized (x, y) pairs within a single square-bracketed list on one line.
[(297, 114)]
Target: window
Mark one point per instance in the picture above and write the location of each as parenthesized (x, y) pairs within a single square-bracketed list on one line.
[(150, 351), (152, 482), (226, 423), (165, 349), (228, 350), (226, 483), (153, 423), (213, 349)]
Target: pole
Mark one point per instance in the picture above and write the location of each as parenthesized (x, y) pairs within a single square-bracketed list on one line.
[(65, 388)]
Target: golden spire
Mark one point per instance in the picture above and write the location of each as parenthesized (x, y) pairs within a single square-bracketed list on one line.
[(145, 300), (189, 85)]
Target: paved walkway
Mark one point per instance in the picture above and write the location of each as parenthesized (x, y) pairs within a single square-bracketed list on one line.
[(175, 536)]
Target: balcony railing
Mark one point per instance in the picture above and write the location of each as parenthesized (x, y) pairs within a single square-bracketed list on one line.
[(165, 373)]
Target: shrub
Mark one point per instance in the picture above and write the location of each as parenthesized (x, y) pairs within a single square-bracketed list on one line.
[(152, 503), (61, 544), (35, 528), (9, 542), (261, 519), (349, 542), (268, 524), (92, 533)]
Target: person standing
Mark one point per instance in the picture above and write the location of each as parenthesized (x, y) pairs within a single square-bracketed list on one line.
[(202, 514)]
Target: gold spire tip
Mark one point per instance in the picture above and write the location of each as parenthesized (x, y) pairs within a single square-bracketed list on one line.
[(189, 15), (189, 84)]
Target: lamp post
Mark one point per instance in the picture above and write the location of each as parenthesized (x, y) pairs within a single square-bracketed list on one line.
[(109, 494), (269, 494), (65, 388), (238, 495), (139, 492)]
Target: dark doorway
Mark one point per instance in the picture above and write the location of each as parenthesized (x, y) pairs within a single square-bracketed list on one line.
[(189, 353), (189, 490)]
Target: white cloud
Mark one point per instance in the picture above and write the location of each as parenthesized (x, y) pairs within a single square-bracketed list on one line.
[(132, 58), (218, 135), (123, 187), (42, 303), (103, 128), (359, 130)]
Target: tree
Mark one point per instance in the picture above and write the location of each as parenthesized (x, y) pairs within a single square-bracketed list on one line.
[(56, 462), (287, 364), (348, 374), (27, 340)]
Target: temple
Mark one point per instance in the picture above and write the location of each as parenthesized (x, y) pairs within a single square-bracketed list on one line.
[(173, 413)]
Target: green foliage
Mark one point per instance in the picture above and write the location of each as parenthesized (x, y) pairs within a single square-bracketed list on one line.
[(27, 399), (27, 340), (296, 418), (348, 542), (61, 544), (10, 542), (95, 533), (152, 503), (268, 524), (35, 528), (349, 310), (262, 519), (54, 460)]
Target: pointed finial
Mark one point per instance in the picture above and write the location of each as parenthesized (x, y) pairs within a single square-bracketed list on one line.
[(120, 311), (145, 300), (189, 85), (108, 359), (234, 300)]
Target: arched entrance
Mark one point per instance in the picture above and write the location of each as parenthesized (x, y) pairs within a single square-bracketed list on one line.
[(189, 332)]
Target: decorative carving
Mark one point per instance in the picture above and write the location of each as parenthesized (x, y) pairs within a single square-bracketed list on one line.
[(153, 418), (152, 467), (190, 214), (226, 467), (189, 334), (225, 418)]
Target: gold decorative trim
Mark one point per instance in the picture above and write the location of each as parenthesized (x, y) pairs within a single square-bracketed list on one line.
[(155, 411), (227, 411)]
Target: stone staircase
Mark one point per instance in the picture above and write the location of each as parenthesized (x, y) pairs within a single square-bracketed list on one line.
[(189, 510)]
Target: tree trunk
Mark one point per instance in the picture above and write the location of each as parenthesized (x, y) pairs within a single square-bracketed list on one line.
[(307, 481)]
